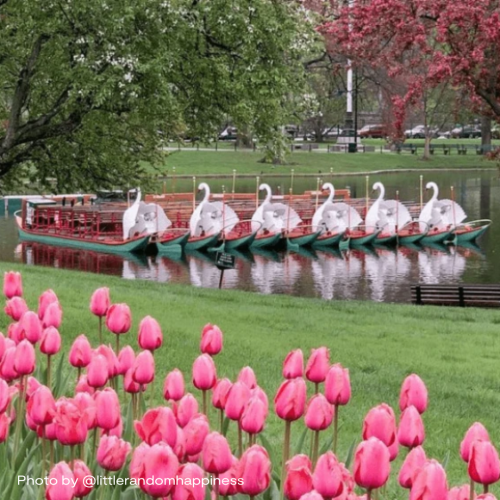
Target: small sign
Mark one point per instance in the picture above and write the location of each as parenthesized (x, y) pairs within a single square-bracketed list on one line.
[(224, 261)]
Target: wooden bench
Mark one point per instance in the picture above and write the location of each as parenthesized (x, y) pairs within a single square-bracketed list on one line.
[(456, 295)]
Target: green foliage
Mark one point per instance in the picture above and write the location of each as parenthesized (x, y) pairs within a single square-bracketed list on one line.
[(90, 89)]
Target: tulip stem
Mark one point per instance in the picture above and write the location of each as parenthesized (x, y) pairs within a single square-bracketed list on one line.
[(43, 451), (51, 454), (19, 417), (316, 388), (72, 455), (368, 494), (471, 493), (48, 372), (486, 488), (79, 373), (240, 441), (286, 451), (204, 402), (117, 344), (216, 486), (335, 427), (100, 329), (315, 448), (221, 414)]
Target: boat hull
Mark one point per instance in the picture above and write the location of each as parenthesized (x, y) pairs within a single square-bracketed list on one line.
[(130, 246), (438, 237), (367, 239), (266, 241), (172, 246), (411, 239), (386, 240), (202, 243), (303, 239), (328, 241), (470, 236), (240, 243)]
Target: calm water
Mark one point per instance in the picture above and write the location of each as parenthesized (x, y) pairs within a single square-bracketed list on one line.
[(376, 274)]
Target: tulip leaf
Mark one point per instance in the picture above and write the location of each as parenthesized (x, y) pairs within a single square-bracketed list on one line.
[(446, 459), (267, 445), (350, 454), (208, 494), (61, 381), (129, 423), (300, 443), (14, 488), (326, 446), (26, 445), (275, 492), (225, 426), (131, 493)]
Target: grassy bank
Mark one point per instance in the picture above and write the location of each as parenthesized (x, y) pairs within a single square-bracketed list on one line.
[(455, 351), (247, 162)]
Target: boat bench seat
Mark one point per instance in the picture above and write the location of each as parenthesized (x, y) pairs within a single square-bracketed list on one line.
[(456, 295)]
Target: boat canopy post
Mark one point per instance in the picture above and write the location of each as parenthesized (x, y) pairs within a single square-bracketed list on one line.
[(367, 179), (194, 192), (234, 180), (257, 179), (421, 192), (317, 192)]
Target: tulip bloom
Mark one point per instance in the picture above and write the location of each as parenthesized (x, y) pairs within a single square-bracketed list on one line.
[(319, 413), (180, 444), (237, 398), (112, 452), (7, 367), (371, 464), (80, 353), (195, 433), (97, 371), (173, 388), (70, 421), (314, 495), (299, 479), (52, 315), (486, 496), (30, 327), (327, 477), (211, 340), (461, 493), (414, 460), (204, 372), (118, 319), (411, 430), (108, 409), (24, 359), (150, 335), (484, 465), (126, 359), (254, 470), (476, 431), (413, 393), (47, 298), (247, 376), (160, 463), (5, 395), (380, 422), (290, 400), (230, 477), (100, 302), (51, 341), (80, 471), (60, 483), (12, 284), (293, 366), (4, 427), (191, 487), (136, 468), (254, 416), (216, 454), (318, 365), (129, 385), (15, 308), (87, 405), (111, 359), (41, 406), (143, 371), (186, 409), (338, 385), (429, 482), (157, 425)]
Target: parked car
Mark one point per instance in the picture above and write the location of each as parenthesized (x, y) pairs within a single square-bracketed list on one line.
[(466, 132), (347, 132), (495, 131), (373, 132), (418, 132)]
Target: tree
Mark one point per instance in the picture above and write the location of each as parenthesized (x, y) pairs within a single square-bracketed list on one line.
[(455, 41), (89, 90)]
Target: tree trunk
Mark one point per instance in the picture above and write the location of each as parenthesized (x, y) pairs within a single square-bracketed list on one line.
[(427, 148), (486, 133)]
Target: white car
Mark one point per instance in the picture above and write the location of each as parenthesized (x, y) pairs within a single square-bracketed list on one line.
[(418, 132)]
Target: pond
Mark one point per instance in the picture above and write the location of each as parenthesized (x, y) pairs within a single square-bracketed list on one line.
[(369, 274)]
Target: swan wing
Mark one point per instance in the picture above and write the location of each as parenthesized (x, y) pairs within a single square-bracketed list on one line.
[(228, 217), (426, 215), (289, 216), (456, 213), (130, 216), (373, 215), (397, 213), (350, 216)]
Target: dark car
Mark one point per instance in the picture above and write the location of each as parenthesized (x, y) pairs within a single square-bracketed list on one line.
[(467, 132), (373, 132)]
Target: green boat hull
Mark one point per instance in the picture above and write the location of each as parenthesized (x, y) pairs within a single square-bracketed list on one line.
[(437, 238), (202, 243), (240, 243), (363, 240), (471, 236), (172, 246), (303, 240), (410, 239), (386, 240), (328, 241), (267, 241), (135, 245)]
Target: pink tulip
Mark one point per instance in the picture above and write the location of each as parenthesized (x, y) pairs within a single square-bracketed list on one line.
[(229, 479), (160, 463), (126, 359), (80, 353), (70, 423), (258, 392), (7, 367), (51, 342), (338, 385), (12, 284), (115, 431), (313, 495), (254, 416), (254, 471), (247, 376), (100, 302), (380, 422), (484, 465), (475, 431), (111, 359), (150, 334), (87, 405), (112, 452), (290, 400), (60, 483), (97, 371), (173, 388), (81, 471), (52, 315), (129, 384), (5, 395), (211, 340), (195, 433), (460, 493), (136, 468), (429, 482), (143, 371), (413, 393), (3, 345), (15, 333), (327, 478), (180, 444), (371, 464), (47, 297), (318, 365), (24, 359), (108, 409), (157, 425), (4, 427), (41, 406), (414, 460), (15, 308), (299, 479), (486, 496), (293, 366), (216, 454), (31, 327), (411, 430), (319, 413), (118, 319), (204, 372), (237, 398), (191, 487), (186, 409)]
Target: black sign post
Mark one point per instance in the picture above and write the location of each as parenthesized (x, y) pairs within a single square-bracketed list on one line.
[(224, 261)]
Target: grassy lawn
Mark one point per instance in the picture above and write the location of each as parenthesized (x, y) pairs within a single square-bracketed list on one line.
[(453, 350)]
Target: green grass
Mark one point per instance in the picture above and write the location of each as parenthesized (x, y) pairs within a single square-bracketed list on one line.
[(247, 162), (454, 350)]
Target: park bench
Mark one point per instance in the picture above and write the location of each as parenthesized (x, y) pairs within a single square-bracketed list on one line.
[(412, 148), (456, 295), (305, 146)]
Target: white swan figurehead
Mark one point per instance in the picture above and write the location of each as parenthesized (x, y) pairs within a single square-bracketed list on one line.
[(318, 220)]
